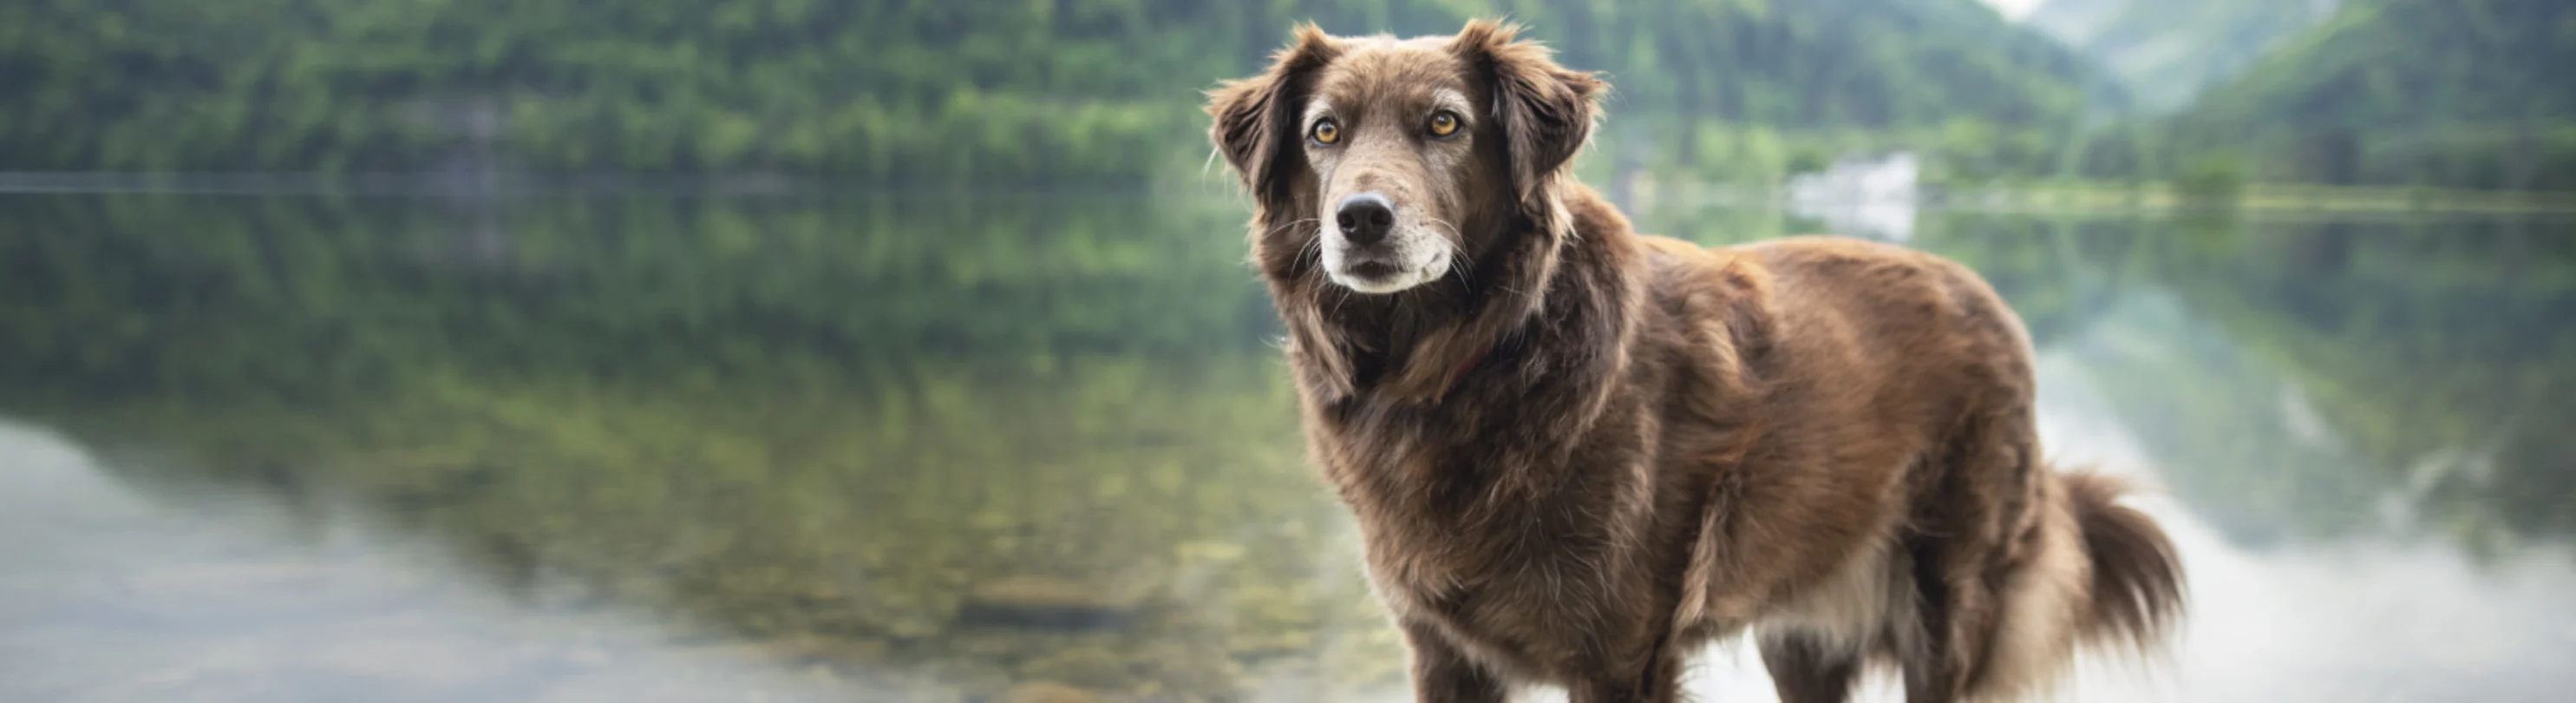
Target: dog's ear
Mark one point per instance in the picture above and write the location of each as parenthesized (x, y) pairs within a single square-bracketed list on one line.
[(1256, 126), (1256, 118), (1546, 110)]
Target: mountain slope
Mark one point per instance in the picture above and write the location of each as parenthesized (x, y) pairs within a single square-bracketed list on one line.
[(2167, 51), (2467, 93)]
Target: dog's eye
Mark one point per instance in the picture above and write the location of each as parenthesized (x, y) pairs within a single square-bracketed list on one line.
[(1444, 123), (1326, 132)]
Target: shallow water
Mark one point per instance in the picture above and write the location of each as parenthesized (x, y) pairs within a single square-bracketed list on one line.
[(1040, 449)]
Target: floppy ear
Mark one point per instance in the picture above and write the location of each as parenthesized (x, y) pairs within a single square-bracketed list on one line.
[(1546, 111), (1257, 125), (1256, 117)]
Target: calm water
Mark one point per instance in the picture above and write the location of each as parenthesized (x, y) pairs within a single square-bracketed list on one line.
[(1040, 450)]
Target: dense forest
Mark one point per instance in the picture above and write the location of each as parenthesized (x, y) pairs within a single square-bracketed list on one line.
[(916, 92), (2465, 94), (2451, 93)]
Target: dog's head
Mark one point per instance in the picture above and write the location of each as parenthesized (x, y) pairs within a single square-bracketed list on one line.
[(1387, 164)]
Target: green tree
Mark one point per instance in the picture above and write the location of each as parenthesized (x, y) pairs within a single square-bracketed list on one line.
[(894, 93)]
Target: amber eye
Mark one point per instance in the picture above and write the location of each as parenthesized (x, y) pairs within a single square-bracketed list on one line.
[(1444, 123), (1326, 132)]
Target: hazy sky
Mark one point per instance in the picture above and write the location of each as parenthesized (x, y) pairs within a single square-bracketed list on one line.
[(2014, 8)]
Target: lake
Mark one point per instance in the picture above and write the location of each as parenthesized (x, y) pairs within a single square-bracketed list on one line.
[(1041, 449)]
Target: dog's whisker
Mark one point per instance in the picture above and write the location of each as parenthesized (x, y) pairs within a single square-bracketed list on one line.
[(1274, 229), (1458, 258), (1313, 246)]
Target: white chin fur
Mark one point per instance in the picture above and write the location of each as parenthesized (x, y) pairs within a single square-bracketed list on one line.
[(1380, 286), (1419, 257)]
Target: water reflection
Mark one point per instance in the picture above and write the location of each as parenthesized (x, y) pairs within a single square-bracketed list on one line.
[(109, 594), (1034, 449), (2305, 380)]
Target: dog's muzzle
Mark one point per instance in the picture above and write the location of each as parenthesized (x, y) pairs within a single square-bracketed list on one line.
[(1376, 250)]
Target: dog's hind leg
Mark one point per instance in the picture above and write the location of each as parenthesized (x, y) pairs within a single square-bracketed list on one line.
[(1947, 612), (1970, 527), (1806, 669)]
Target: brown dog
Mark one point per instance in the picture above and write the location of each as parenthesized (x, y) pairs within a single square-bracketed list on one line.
[(1578, 453)]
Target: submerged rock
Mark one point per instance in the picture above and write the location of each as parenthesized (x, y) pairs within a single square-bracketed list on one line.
[(1048, 692), (820, 649), (1043, 603), (1090, 667)]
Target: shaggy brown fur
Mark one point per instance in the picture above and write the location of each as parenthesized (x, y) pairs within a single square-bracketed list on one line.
[(1577, 453)]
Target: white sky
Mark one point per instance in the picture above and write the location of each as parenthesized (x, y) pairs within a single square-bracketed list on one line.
[(2014, 9)]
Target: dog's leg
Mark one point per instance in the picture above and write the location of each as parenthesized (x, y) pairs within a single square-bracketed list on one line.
[(1442, 674), (1805, 670), (1966, 534), (1654, 676), (1933, 672)]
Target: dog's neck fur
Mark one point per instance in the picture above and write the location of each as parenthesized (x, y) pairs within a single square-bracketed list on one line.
[(1557, 322), (1492, 320)]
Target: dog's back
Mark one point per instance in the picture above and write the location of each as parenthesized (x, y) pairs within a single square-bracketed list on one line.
[(1893, 504)]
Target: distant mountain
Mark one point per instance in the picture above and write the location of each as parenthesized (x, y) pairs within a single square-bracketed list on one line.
[(2465, 93), (2167, 51), (1819, 63)]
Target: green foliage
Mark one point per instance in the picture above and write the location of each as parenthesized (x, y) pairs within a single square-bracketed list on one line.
[(2464, 94), (925, 94), (98, 288), (2212, 181), (1971, 151)]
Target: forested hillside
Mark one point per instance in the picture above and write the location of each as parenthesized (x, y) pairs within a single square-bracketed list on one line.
[(2454, 93), (899, 92), (2167, 51)]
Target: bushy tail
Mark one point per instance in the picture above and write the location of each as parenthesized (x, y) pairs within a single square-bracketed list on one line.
[(2137, 576)]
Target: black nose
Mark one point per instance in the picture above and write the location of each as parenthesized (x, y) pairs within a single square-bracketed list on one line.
[(1365, 218)]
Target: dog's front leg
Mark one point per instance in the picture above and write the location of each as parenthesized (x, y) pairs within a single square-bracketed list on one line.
[(1443, 674)]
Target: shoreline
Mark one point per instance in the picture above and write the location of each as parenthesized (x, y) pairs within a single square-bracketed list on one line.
[(2046, 197)]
